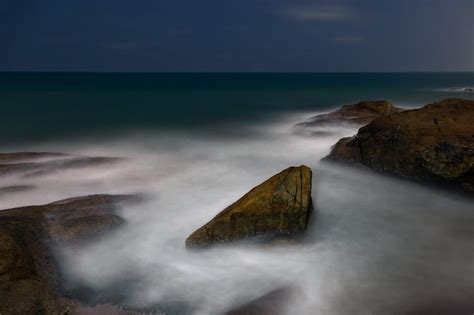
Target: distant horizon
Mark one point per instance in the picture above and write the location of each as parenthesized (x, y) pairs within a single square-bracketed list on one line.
[(231, 72)]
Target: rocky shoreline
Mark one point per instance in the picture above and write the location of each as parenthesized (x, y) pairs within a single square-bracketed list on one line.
[(433, 144), (361, 113), (29, 281)]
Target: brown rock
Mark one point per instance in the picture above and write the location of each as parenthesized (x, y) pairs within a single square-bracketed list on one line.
[(280, 205), (28, 283), (85, 227), (28, 275), (434, 143), (75, 218), (84, 217), (360, 113)]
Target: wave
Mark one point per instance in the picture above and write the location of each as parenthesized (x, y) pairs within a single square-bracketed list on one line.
[(464, 89)]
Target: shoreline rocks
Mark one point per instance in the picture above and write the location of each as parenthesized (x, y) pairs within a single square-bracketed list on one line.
[(29, 280), (360, 114), (280, 205), (432, 144)]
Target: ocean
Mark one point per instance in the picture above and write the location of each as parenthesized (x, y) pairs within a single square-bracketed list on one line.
[(44, 106), (195, 143)]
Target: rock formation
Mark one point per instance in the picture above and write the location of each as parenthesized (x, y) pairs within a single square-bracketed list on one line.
[(360, 113), (28, 275), (280, 205), (434, 143)]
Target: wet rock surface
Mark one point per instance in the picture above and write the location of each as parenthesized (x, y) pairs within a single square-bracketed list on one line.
[(84, 217), (360, 114), (280, 205), (29, 281), (433, 144)]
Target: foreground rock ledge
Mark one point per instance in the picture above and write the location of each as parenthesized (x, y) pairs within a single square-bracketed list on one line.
[(434, 144), (280, 205), (29, 280)]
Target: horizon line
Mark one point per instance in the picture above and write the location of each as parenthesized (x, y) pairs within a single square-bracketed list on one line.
[(225, 72)]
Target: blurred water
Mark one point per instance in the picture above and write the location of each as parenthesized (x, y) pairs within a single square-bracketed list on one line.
[(375, 245), (194, 143)]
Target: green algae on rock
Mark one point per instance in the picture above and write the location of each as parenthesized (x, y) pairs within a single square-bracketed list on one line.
[(280, 205)]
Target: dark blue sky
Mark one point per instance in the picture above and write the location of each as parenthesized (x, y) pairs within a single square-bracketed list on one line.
[(243, 35)]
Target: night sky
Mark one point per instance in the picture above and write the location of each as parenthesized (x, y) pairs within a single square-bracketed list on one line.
[(243, 35)]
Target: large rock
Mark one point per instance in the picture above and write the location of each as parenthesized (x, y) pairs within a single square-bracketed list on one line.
[(29, 281), (434, 143), (360, 114), (280, 205)]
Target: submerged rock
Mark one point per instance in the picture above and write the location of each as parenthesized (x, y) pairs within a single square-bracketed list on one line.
[(275, 302), (84, 217), (6, 191), (23, 156), (280, 205), (31, 164), (360, 113), (434, 143)]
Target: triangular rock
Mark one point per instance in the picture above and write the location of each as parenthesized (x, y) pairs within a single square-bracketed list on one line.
[(280, 205)]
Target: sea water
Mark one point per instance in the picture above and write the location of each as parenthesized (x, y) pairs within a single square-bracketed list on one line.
[(195, 143)]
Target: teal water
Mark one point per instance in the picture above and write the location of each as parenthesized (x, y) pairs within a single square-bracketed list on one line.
[(45, 106)]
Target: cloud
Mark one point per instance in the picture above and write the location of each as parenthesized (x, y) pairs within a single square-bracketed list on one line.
[(328, 13), (349, 39)]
